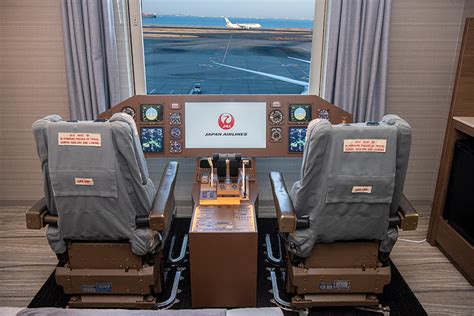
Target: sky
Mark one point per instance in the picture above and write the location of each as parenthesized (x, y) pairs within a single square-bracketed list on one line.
[(291, 9)]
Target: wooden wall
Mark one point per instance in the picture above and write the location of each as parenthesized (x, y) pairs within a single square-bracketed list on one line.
[(32, 84), (425, 35), (423, 50)]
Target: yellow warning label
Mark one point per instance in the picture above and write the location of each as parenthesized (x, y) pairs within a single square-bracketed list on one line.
[(84, 181), (79, 139), (365, 145)]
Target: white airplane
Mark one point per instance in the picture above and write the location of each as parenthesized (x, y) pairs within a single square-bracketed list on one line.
[(246, 26), (303, 84)]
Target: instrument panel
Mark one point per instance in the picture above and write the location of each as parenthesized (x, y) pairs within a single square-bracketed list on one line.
[(254, 125)]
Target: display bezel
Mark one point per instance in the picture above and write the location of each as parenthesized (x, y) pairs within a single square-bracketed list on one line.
[(162, 139), (159, 118), (289, 138), (291, 113)]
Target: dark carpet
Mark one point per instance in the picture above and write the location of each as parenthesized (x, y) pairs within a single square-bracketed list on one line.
[(397, 295)]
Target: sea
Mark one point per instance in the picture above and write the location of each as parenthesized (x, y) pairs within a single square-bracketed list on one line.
[(186, 20)]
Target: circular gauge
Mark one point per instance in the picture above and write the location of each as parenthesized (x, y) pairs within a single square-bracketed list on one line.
[(129, 110), (175, 118), (151, 114), (276, 135), (276, 117), (175, 133), (175, 147), (300, 114)]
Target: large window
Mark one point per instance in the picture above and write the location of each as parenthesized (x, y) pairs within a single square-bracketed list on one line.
[(226, 46)]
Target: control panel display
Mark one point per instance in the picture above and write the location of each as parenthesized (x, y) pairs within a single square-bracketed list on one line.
[(300, 113), (152, 139), (296, 139), (175, 118), (200, 125), (276, 117), (151, 113), (175, 133), (225, 124)]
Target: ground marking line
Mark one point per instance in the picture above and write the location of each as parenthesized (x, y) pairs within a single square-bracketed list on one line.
[(227, 48)]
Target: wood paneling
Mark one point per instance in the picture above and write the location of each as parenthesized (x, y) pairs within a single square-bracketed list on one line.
[(441, 234), (32, 84), (423, 48)]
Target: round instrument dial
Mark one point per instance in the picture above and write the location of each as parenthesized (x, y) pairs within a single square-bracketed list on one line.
[(175, 133), (129, 110), (300, 114), (175, 118), (151, 114), (276, 117), (276, 135), (175, 147)]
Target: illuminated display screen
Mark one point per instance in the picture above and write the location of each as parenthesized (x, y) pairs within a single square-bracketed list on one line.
[(225, 125), (300, 113), (296, 139), (152, 139), (151, 113)]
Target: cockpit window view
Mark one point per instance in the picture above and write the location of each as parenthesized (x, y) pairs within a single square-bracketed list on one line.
[(227, 47), (236, 157)]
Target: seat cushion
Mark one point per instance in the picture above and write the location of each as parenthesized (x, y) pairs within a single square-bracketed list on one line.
[(96, 181), (349, 178)]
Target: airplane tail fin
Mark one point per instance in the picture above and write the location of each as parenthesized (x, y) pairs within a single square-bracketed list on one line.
[(227, 22)]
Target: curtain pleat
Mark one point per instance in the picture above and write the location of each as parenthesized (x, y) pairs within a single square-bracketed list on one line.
[(357, 57), (91, 57)]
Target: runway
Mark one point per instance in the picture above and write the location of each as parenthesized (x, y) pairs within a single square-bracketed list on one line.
[(178, 57)]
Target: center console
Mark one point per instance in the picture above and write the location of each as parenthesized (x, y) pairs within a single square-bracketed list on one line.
[(223, 238)]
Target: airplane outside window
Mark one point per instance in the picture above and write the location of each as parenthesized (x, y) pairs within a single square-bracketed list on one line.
[(215, 48)]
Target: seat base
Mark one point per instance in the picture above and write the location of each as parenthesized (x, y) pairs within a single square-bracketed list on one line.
[(112, 301), (108, 268), (109, 281), (325, 300), (337, 280)]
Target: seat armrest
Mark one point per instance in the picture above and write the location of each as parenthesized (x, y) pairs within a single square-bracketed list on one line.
[(163, 204), (284, 207), (408, 215), (37, 216)]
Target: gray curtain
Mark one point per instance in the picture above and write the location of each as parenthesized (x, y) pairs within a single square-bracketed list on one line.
[(91, 56), (357, 56)]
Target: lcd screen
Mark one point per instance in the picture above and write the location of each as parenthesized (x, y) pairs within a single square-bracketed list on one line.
[(151, 113), (296, 139), (225, 125), (152, 139), (300, 113)]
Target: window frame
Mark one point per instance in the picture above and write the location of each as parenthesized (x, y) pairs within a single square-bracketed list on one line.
[(317, 49)]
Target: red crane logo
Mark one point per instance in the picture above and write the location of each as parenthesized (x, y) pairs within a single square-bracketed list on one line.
[(226, 121)]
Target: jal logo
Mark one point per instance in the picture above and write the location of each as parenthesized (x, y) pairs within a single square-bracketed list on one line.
[(226, 121)]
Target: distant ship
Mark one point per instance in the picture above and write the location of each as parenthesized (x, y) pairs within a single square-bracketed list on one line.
[(149, 15)]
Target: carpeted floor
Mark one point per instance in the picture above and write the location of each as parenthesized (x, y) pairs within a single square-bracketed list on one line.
[(397, 295)]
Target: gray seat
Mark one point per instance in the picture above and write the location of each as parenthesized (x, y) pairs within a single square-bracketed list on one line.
[(351, 183), (96, 182)]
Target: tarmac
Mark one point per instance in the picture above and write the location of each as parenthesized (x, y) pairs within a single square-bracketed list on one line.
[(176, 58)]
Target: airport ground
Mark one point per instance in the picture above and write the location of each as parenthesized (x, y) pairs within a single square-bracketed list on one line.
[(176, 58)]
